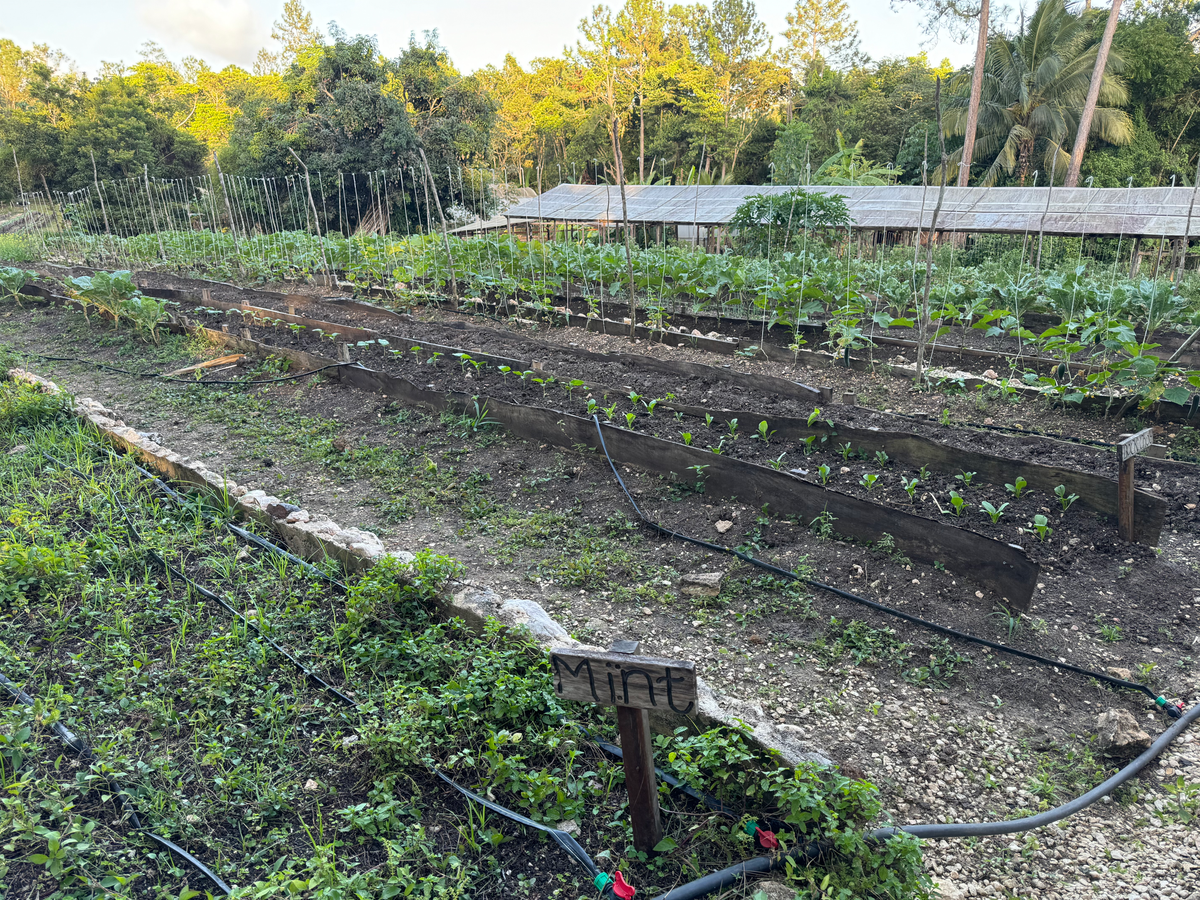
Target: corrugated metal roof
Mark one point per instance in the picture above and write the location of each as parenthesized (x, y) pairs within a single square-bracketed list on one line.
[(1148, 212)]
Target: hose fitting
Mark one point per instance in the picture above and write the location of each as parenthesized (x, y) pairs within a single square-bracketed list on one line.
[(1174, 710)]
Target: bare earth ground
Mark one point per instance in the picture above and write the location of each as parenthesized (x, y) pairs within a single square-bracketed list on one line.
[(981, 738)]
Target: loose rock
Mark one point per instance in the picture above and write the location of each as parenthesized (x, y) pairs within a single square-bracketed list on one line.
[(701, 584), (723, 526), (281, 510), (1118, 733)]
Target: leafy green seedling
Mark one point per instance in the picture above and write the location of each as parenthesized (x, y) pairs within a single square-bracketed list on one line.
[(813, 416), (868, 480), (957, 503), (764, 434), (629, 417), (910, 486), (1064, 498), (881, 458), (708, 419), (810, 444), (993, 512), (923, 473), (824, 471), (1042, 526), (965, 478), (777, 462), (846, 450), (1016, 487), (687, 437), (733, 428)]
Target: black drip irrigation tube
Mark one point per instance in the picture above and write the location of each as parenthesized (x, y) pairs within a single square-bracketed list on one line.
[(609, 886), (1171, 709), (119, 793), (248, 536)]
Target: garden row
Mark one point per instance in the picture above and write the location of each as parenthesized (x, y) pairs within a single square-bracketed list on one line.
[(1106, 331), (795, 454)]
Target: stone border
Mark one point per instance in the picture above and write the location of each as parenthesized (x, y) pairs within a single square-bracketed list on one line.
[(313, 537)]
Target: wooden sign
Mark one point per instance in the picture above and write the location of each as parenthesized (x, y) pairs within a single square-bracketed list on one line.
[(634, 685), (1127, 451), (1135, 444), (620, 679)]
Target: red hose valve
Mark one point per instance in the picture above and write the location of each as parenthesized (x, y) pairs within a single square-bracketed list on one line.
[(621, 888), (767, 839)]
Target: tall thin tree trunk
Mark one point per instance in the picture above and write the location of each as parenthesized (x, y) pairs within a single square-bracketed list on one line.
[(923, 313), (1093, 95), (620, 164), (642, 139), (968, 151)]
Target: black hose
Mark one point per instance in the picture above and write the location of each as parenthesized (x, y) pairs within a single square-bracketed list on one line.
[(248, 536), (1159, 701), (119, 793), (815, 850)]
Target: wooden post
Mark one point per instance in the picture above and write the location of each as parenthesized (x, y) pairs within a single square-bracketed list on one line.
[(638, 750), (634, 685), (1127, 451)]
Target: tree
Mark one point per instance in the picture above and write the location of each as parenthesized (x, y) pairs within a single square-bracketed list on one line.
[(295, 32), (341, 111), (849, 166), (452, 115), (955, 16), (746, 81), (1093, 95), (116, 122), (602, 55), (818, 32), (790, 155), (1034, 89)]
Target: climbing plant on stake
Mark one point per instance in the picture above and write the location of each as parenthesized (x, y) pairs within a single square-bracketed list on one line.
[(634, 685)]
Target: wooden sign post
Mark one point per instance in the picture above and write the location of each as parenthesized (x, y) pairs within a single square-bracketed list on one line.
[(1127, 452), (634, 685)]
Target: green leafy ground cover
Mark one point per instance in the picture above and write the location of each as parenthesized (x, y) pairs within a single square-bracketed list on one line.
[(229, 751)]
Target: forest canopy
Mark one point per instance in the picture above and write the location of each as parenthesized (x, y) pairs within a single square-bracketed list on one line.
[(696, 92)]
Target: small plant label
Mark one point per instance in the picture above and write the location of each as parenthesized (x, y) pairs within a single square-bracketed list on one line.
[(619, 679), (634, 685), (1135, 444)]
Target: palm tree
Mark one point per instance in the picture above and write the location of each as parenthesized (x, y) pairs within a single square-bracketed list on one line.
[(1035, 87), (848, 165)]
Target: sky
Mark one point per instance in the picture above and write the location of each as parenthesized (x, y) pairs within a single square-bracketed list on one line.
[(476, 32)]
